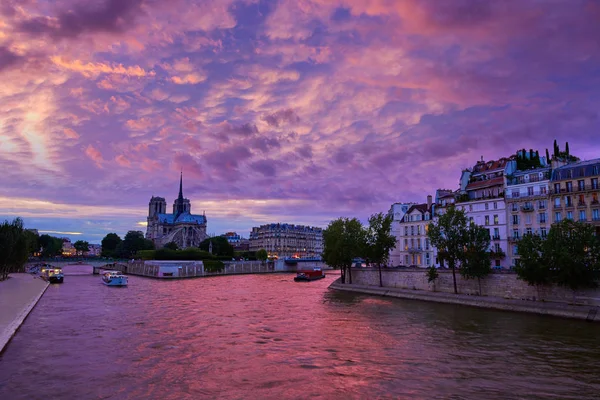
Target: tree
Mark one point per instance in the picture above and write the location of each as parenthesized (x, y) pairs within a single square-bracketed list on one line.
[(220, 246), (572, 252), (262, 255), (133, 241), (432, 275), (13, 247), (547, 157), (476, 260), (171, 246), (81, 246), (343, 241), (51, 246), (379, 240), (109, 244), (532, 267), (449, 235)]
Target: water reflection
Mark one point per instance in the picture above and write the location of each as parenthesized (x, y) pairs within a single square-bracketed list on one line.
[(268, 337)]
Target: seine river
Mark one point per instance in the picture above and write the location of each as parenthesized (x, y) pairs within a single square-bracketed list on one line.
[(267, 337)]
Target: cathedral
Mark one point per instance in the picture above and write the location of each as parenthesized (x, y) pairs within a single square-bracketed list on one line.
[(181, 227)]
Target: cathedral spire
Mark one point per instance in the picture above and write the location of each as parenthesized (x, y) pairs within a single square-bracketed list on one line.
[(180, 186)]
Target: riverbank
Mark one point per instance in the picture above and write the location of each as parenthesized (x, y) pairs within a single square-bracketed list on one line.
[(18, 295), (536, 307)]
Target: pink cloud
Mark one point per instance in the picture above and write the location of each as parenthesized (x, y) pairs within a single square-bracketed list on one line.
[(94, 155)]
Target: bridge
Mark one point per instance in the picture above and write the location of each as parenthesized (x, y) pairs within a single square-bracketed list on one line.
[(96, 265)]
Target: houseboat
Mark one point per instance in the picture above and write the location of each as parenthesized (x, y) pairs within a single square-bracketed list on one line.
[(52, 274), (114, 278), (311, 275)]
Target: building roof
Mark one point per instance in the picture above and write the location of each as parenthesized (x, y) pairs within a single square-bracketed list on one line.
[(421, 208), (487, 166), (184, 217), (587, 167), (486, 183)]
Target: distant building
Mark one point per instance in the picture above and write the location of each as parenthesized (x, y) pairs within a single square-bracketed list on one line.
[(181, 227), (397, 211), (287, 240), (239, 243), (67, 248), (95, 250)]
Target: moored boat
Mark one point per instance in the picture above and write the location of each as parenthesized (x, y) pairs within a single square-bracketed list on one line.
[(312, 275), (52, 274), (114, 278)]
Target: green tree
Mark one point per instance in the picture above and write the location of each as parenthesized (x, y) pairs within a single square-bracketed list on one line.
[(51, 246), (343, 241), (531, 266), (572, 252), (33, 241), (379, 240), (476, 262), (220, 246), (171, 246), (449, 235), (432, 275), (81, 246), (109, 244), (133, 241), (13, 247), (262, 255)]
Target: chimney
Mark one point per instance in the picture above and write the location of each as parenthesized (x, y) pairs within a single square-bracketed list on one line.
[(429, 200)]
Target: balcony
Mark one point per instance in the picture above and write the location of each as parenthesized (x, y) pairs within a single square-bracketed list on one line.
[(581, 204), (527, 208), (578, 189), (518, 196), (497, 254), (514, 239), (415, 249), (496, 237)]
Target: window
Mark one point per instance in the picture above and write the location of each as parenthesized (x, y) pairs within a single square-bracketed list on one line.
[(581, 184), (581, 200), (530, 191), (570, 215), (595, 183), (542, 204), (557, 217), (497, 248), (570, 174), (557, 188), (419, 230), (487, 219), (495, 205), (543, 190), (496, 233), (419, 243), (426, 244), (582, 216), (412, 243), (406, 260), (470, 207), (569, 186), (406, 231), (497, 263), (515, 193), (405, 244), (487, 206), (515, 250), (529, 231), (515, 207), (543, 232), (594, 198), (595, 170), (568, 201), (542, 218), (515, 220), (596, 214), (557, 202), (515, 233), (412, 230), (496, 219)]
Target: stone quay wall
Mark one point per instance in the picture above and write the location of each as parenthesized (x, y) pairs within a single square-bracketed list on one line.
[(503, 285)]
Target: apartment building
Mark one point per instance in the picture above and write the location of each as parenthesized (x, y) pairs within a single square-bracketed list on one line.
[(287, 240), (575, 192), (414, 247), (397, 211)]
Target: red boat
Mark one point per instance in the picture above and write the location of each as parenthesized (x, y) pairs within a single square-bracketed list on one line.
[(312, 275)]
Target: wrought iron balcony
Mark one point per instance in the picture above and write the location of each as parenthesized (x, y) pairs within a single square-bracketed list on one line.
[(415, 249), (527, 208)]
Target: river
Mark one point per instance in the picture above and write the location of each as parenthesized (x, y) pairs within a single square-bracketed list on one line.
[(267, 337)]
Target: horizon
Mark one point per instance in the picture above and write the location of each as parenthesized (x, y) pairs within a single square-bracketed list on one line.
[(284, 111)]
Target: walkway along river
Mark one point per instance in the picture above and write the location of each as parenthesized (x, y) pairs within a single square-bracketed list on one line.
[(267, 337)]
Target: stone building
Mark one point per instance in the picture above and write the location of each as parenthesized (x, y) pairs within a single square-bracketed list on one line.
[(527, 205), (575, 193), (397, 211), (412, 242), (181, 227), (287, 240)]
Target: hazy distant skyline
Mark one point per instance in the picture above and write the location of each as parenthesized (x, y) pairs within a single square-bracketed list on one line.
[(295, 111)]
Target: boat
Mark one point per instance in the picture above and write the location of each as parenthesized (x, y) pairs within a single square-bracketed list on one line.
[(114, 278), (312, 275), (52, 274)]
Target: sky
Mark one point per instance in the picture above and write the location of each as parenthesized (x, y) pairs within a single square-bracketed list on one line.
[(296, 111)]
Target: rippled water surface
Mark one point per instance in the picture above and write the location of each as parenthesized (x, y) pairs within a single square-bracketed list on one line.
[(267, 337)]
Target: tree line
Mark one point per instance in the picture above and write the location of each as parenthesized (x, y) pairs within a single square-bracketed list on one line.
[(16, 245)]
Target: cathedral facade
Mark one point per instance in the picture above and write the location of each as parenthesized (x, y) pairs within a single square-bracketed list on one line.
[(181, 227)]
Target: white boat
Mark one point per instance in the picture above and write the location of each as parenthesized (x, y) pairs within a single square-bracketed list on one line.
[(114, 278)]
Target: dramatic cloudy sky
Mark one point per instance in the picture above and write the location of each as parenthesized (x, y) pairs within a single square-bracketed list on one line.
[(294, 111)]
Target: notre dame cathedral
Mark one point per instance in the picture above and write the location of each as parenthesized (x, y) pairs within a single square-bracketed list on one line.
[(181, 227)]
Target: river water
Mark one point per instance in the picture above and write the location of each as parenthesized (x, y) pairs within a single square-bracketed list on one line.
[(267, 337)]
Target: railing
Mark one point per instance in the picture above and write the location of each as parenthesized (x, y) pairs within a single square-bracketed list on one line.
[(535, 193), (584, 188), (496, 237), (415, 249), (527, 208)]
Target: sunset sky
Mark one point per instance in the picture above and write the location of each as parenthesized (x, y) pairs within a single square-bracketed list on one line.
[(295, 111)]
